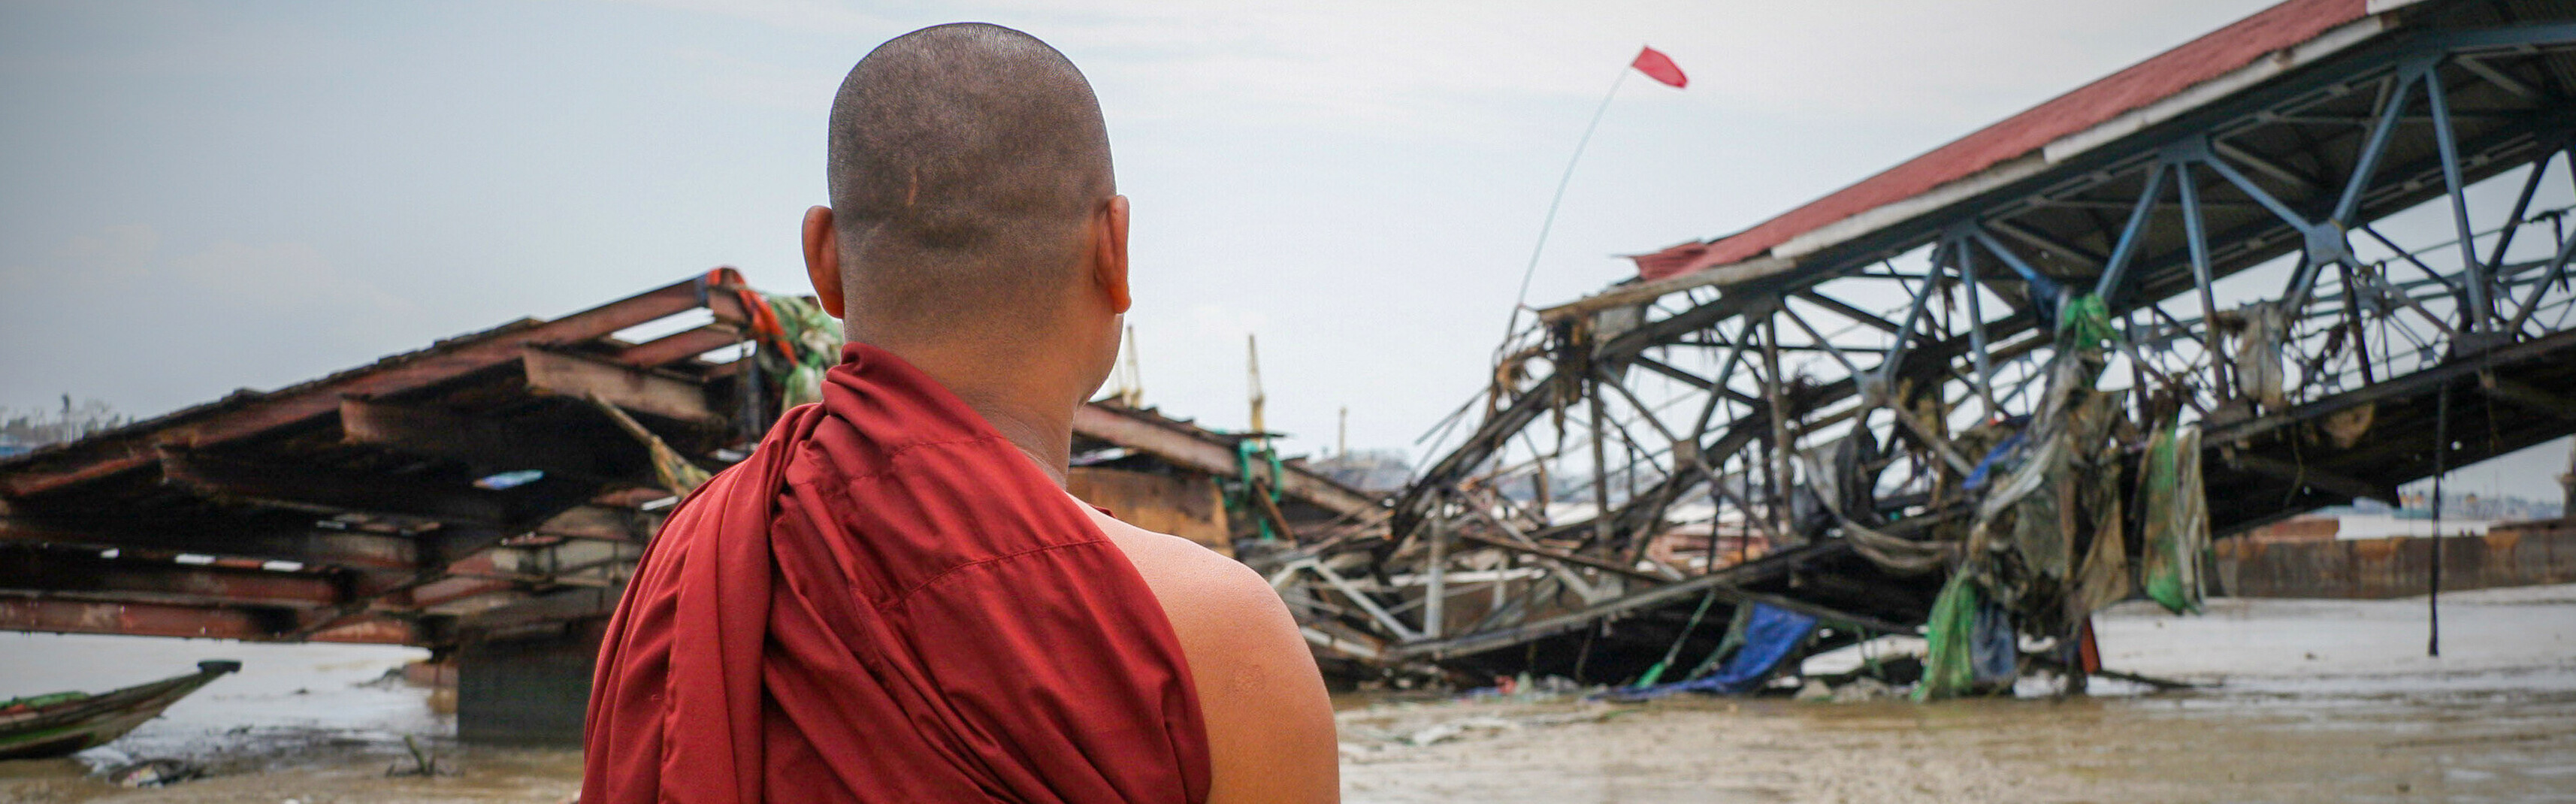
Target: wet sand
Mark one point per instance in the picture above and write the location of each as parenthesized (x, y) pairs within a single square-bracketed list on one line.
[(2321, 701)]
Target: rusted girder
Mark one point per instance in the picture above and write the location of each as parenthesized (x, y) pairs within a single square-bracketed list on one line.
[(307, 545), (55, 615), (452, 545), (88, 575), (240, 418)]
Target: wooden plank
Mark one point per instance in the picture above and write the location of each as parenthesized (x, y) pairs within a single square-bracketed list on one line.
[(627, 387), (1131, 429), (487, 445), (680, 345), (221, 422)]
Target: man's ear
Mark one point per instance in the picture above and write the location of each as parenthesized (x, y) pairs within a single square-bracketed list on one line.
[(823, 258), (1109, 254)]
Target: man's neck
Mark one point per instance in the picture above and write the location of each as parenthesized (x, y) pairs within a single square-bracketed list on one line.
[(1041, 432), (1039, 423)]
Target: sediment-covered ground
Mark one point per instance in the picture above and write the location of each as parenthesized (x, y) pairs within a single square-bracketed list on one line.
[(2317, 701)]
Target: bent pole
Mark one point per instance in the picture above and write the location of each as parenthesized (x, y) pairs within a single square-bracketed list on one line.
[(1522, 300)]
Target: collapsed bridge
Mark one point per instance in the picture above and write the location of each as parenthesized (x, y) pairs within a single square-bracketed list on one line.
[(2271, 230), (2283, 230)]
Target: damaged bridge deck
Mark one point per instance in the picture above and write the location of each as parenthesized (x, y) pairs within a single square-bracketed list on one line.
[(2267, 234)]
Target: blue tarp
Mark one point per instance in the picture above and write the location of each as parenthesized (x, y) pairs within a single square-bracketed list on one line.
[(1994, 459), (1770, 635), (1993, 652)]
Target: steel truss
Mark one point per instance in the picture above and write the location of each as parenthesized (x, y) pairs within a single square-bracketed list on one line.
[(2303, 250)]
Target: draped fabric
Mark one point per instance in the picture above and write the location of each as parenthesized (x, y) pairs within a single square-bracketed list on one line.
[(889, 602)]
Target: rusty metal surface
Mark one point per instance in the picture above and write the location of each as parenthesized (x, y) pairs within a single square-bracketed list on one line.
[(2400, 566)]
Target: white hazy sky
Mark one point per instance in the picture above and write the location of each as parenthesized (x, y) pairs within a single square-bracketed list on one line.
[(196, 197)]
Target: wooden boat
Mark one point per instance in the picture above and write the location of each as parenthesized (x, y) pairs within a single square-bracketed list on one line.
[(64, 722)]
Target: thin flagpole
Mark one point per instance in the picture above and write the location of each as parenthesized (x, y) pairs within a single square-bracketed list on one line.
[(1559, 198), (2441, 467)]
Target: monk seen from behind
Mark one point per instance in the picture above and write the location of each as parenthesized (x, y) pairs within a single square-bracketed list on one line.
[(894, 599)]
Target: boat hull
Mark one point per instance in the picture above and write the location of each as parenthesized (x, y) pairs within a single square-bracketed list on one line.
[(57, 725)]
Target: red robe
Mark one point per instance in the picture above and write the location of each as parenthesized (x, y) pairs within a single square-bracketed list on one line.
[(889, 602)]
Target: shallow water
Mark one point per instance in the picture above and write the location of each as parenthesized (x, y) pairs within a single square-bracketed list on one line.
[(2318, 701)]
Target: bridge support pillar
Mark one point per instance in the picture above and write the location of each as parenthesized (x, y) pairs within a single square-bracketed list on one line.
[(523, 671)]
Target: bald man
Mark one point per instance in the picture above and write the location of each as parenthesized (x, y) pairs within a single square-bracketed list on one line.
[(893, 598)]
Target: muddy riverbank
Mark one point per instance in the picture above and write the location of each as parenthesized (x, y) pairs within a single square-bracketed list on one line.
[(2319, 701)]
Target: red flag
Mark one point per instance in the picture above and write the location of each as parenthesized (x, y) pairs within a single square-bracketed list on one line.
[(1660, 67)]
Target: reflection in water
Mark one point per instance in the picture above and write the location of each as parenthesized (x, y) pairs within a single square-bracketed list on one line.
[(2322, 701)]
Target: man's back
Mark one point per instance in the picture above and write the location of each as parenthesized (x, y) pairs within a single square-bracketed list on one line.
[(893, 599), (888, 602)]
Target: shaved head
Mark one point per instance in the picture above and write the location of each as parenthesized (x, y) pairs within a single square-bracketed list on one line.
[(966, 162)]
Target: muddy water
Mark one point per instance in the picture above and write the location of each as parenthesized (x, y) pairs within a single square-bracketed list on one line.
[(2190, 748), (2318, 701), (313, 724)]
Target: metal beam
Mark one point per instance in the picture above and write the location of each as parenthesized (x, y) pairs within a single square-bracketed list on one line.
[(2057, 248), (1559, 555), (1725, 583), (2557, 346), (1846, 310), (1643, 292), (2524, 396), (2266, 166), (2312, 477)]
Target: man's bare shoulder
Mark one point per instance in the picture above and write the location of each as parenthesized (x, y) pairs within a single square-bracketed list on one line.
[(1269, 723), (1195, 583)]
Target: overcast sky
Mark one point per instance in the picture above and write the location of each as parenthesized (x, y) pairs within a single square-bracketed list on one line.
[(196, 197)]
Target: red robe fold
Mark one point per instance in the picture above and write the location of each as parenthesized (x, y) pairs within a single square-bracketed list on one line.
[(889, 602)]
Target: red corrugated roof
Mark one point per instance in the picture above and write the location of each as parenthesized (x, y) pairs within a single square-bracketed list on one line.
[(2146, 82)]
